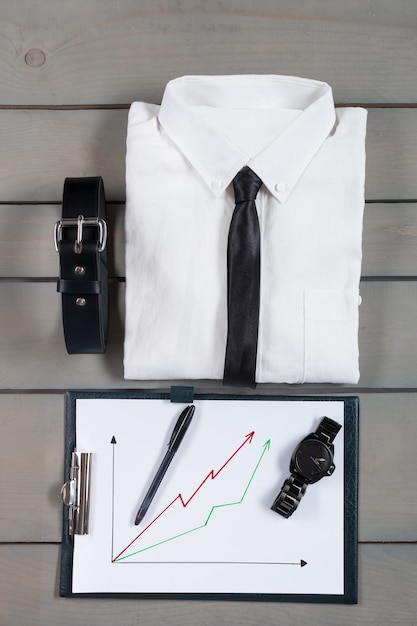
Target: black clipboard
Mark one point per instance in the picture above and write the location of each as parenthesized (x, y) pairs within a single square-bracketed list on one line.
[(350, 434)]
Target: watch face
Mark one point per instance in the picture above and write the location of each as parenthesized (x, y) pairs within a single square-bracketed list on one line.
[(312, 459)]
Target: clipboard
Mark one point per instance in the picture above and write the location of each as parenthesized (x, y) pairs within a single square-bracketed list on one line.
[(210, 533)]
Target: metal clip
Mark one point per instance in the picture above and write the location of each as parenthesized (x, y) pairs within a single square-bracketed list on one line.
[(79, 224), (75, 493)]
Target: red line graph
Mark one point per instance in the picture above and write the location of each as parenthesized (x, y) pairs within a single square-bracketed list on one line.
[(212, 474)]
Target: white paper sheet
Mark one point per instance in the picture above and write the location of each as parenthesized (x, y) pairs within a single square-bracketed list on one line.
[(210, 528)]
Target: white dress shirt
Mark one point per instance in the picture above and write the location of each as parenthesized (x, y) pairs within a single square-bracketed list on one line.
[(181, 159)]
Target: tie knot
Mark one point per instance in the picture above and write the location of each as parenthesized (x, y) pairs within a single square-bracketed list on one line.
[(246, 185)]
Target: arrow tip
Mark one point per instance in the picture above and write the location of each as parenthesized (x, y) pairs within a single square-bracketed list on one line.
[(302, 563), (249, 436), (113, 439)]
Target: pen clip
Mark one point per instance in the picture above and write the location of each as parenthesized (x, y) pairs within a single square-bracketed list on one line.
[(75, 493), (186, 414)]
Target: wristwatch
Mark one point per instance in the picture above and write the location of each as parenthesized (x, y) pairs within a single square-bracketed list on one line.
[(312, 459)]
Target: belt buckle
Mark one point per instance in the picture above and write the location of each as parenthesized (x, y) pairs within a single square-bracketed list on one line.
[(79, 223)]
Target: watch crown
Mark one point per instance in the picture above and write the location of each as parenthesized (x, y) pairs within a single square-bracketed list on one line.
[(331, 470)]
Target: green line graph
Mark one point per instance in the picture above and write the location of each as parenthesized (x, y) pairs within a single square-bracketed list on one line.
[(265, 448)]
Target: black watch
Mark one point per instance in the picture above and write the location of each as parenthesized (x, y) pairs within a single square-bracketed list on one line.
[(311, 460)]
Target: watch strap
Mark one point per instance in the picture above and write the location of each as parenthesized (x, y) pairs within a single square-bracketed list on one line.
[(327, 430), (290, 495), (80, 239)]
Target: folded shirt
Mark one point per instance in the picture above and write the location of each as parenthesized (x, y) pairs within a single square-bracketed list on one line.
[(181, 159)]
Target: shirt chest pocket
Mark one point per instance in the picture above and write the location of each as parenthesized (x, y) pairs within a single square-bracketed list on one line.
[(331, 335)]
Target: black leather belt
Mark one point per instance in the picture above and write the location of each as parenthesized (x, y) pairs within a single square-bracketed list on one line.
[(80, 238)]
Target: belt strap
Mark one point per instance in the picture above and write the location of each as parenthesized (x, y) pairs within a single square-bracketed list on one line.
[(80, 239)]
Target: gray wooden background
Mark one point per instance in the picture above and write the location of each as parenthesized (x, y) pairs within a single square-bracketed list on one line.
[(68, 71)]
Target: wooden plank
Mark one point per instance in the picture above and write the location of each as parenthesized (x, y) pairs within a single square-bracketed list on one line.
[(389, 240), (34, 467), (33, 354), (26, 250), (31, 457), (387, 438), (391, 147), (29, 579), (39, 148), (387, 334), (101, 51)]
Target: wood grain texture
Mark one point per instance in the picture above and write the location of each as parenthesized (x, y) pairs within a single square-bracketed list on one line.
[(34, 357), (28, 597), (68, 72), (39, 148), (36, 468), (26, 249), (390, 240), (32, 467), (104, 51)]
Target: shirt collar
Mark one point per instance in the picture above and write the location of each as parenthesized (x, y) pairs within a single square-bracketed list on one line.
[(282, 161)]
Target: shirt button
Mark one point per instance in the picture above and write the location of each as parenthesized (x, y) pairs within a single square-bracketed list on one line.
[(217, 183), (280, 186)]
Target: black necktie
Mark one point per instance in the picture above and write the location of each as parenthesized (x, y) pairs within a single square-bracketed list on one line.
[(243, 279)]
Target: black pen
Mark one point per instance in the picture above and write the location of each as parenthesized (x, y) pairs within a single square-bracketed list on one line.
[(177, 436)]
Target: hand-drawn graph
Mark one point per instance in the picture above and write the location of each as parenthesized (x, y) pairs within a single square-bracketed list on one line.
[(130, 551)]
